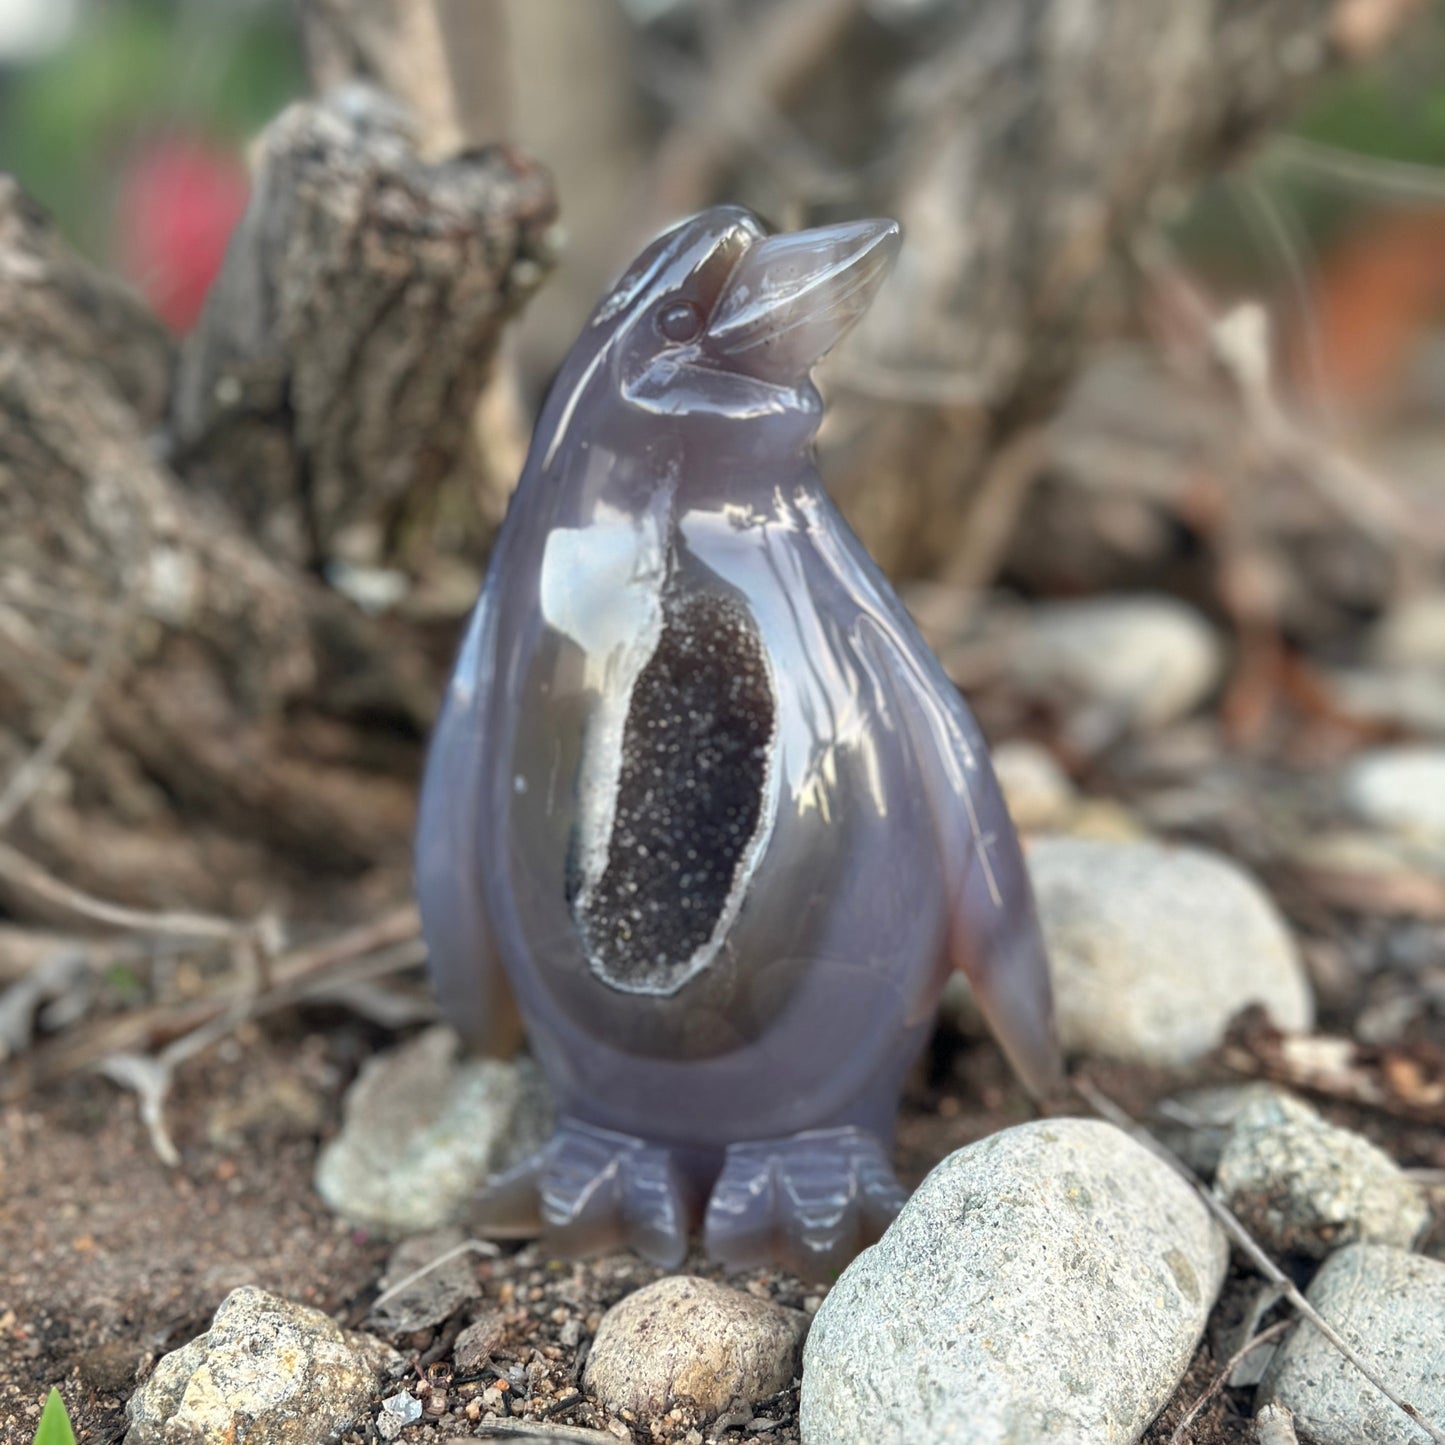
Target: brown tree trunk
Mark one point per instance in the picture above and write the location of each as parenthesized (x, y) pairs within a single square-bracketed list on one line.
[(169, 523)]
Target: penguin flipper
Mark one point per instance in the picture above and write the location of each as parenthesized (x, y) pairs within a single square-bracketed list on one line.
[(993, 933), (462, 954)]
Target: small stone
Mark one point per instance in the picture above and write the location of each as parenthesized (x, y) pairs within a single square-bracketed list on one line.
[(1412, 636), (270, 1371), (1154, 949), (1390, 1305), (1037, 790), (437, 1295), (1196, 1124), (423, 1129), (397, 1413), (475, 1344), (1400, 790), (1048, 1283), (1304, 1187), (687, 1341), (1412, 699), (1148, 659)]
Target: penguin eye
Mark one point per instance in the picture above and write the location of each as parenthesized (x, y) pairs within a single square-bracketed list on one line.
[(679, 321)]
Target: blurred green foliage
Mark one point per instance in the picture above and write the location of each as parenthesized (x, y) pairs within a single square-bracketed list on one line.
[(217, 71), (1393, 110)]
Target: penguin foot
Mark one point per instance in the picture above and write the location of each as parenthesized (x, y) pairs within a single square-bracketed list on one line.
[(809, 1202), (589, 1190)]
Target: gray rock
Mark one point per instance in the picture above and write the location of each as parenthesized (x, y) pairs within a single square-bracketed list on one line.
[(397, 1412), (1413, 699), (422, 1129), (475, 1344), (1197, 1123), (1400, 790), (1048, 1283), (1148, 659), (268, 1371), (1304, 1187), (1155, 949), (685, 1340), (1412, 635), (1390, 1305), (437, 1295), (1037, 790)]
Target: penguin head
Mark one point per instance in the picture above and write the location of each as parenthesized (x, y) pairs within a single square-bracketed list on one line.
[(718, 319)]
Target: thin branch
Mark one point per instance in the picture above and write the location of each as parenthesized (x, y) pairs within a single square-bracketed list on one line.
[(1264, 1337), (1276, 229), (395, 936), (1106, 1108), (27, 875), (1371, 173), (152, 1076), (765, 63), (28, 777), (993, 512)]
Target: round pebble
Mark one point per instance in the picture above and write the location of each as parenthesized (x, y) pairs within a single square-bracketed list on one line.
[(687, 1341), (1195, 1125), (1304, 1187), (1037, 790), (1412, 635), (1148, 658), (1391, 1306), (1049, 1283), (267, 1371), (1154, 949), (1400, 790)]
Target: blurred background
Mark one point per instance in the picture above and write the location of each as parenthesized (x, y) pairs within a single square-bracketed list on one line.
[(1148, 427), (1167, 336), (129, 120)]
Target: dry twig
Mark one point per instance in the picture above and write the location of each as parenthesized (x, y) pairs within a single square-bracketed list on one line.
[(1264, 1337)]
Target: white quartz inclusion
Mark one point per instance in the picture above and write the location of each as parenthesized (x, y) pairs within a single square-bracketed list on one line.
[(602, 587)]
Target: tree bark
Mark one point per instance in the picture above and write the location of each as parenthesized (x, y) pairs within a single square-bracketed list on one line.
[(249, 733), (329, 392)]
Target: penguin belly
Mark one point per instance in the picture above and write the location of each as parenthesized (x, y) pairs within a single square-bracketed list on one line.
[(729, 902)]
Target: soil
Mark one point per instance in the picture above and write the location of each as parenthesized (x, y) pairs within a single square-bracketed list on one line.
[(108, 1258)]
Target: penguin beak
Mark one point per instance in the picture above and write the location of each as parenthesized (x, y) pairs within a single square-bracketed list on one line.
[(793, 297)]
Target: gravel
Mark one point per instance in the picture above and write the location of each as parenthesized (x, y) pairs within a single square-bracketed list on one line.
[(689, 1341), (1400, 790), (1147, 659), (1304, 1187)]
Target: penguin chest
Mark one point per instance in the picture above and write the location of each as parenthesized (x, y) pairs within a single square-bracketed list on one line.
[(663, 697), (676, 796)]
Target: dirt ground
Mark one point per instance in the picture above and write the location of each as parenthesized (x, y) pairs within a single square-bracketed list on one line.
[(108, 1258)]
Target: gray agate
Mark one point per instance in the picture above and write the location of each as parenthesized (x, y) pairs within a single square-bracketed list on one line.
[(700, 799)]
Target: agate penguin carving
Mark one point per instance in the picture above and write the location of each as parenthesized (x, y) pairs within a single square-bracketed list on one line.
[(700, 794)]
